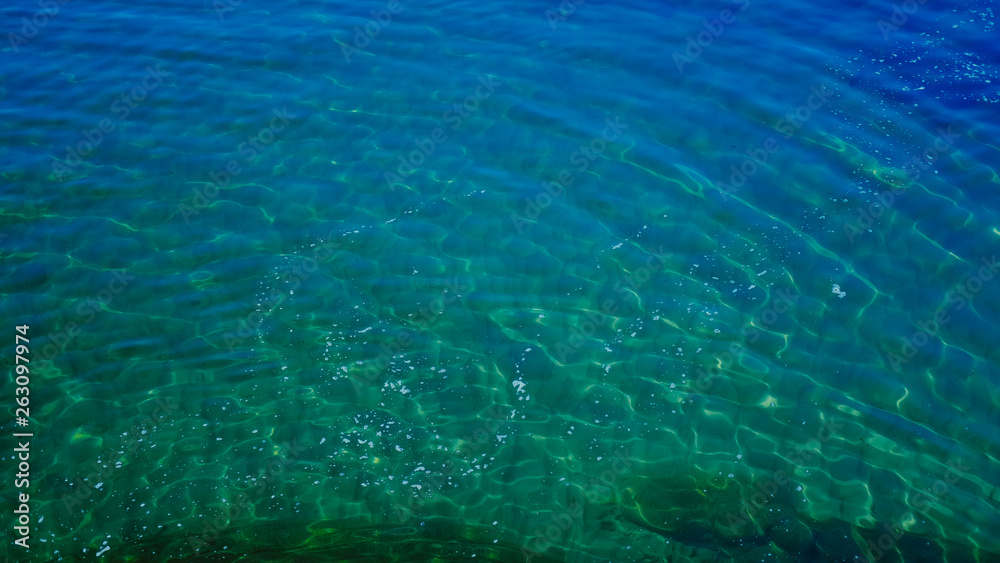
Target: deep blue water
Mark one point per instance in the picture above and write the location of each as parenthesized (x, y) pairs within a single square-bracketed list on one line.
[(515, 281)]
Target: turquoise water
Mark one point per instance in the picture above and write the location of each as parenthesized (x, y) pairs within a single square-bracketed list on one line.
[(502, 281)]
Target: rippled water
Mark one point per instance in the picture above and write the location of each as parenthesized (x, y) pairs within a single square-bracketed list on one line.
[(513, 281)]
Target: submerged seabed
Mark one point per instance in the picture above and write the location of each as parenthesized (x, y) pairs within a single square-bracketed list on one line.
[(506, 281)]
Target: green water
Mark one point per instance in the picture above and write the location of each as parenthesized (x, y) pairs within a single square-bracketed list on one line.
[(502, 285)]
